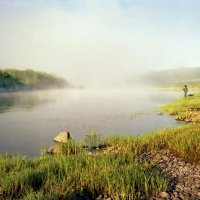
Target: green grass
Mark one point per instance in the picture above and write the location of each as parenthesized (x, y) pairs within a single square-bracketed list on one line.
[(182, 141), (122, 176)]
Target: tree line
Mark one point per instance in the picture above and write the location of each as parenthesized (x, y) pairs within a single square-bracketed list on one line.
[(14, 80)]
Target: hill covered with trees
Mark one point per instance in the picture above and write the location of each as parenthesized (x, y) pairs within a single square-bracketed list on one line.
[(15, 80), (168, 78)]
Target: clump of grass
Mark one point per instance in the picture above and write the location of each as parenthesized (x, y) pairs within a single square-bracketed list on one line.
[(23, 180), (71, 147), (92, 139)]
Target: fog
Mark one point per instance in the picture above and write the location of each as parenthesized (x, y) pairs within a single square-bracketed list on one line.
[(99, 43)]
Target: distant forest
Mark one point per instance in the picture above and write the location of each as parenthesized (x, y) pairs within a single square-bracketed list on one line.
[(16, 80), (168, 78)]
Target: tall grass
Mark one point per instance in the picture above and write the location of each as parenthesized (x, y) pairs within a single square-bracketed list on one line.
[(183, 141), (121, 176)]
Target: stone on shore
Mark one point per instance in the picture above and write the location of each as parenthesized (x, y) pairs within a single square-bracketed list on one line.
[(62, 137), (184, 177), (164, 195), (55, 149)]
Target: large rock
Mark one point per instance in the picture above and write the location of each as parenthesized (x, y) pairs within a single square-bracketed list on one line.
[(55, 149), (62, 137)]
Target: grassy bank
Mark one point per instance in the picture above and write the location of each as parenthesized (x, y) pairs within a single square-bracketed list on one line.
[(119, 171), (185, 109)]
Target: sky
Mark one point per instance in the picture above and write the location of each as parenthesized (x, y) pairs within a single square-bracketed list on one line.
[(99, 42)]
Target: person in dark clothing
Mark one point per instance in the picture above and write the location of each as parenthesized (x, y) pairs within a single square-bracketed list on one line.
[(185, 90)]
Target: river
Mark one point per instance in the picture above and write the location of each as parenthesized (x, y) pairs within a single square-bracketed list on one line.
[(30, 120)]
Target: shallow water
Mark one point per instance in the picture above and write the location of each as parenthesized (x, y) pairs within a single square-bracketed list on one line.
[(29, 120)]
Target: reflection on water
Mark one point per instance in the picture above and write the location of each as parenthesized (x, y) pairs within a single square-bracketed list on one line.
[(34, 118), (18, 101)]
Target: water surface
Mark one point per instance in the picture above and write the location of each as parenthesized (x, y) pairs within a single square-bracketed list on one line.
[(29, 120)]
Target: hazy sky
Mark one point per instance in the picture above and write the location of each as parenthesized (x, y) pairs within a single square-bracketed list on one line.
[(99, 41)]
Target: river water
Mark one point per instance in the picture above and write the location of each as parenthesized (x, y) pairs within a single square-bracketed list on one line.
[(29, 120)]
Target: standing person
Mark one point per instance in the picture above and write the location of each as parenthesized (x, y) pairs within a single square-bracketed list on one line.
[(185, 90)]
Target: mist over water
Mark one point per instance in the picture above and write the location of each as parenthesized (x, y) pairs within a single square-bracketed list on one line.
[(29, 120)]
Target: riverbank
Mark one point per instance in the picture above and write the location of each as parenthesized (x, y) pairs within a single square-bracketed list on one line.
[(151, 166), (185, 109)]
